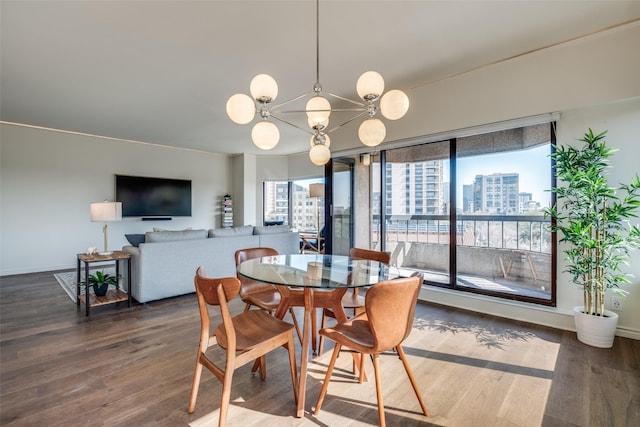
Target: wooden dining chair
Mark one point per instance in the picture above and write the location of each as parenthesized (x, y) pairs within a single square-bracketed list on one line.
[(245, 337), (262, 295), (385, 324), (352, 300)]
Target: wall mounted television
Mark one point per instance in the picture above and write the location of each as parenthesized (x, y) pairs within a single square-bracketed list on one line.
[(153, 197)]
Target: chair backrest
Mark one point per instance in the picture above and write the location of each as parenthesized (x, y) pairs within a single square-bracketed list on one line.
[(358, 253), (391, 306), (249, 286), (207, 287), (215, 291)]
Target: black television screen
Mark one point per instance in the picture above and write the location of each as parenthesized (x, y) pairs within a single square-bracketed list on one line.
[(142, 196)]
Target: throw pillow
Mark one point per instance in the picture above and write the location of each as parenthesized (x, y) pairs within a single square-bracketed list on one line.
[(135, 239), (162, 229)]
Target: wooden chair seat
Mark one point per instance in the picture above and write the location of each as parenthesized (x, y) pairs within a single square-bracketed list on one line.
[(265, 299), (252, 328)]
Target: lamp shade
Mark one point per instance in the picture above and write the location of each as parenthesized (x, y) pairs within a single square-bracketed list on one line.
[(316, 190), (263, 88), (318, 110), (372, 132), (265, 135), (394, 104), (370, 83), (240, 108), (319, 154), (106, 211)]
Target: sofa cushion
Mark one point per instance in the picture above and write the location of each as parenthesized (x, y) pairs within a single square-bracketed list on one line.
[(170, 236), (163, 229), (246, 230), (135, 239), (271, 229)]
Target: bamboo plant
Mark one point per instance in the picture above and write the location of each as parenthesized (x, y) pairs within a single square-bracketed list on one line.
[(593, 218)]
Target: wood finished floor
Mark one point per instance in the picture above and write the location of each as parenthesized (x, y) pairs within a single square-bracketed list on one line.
[(133, 367)]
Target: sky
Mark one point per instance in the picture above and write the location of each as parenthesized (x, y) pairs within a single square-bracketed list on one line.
[(533, 167)]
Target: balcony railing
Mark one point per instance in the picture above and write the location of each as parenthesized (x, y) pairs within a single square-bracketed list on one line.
[(521, 232)]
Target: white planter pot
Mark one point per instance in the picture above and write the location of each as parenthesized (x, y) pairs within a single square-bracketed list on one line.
[(595, 331)]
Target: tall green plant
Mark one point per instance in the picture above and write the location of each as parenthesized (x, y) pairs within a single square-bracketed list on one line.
[(594, 219)]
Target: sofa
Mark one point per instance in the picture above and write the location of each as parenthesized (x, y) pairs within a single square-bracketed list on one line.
[(164, 262)]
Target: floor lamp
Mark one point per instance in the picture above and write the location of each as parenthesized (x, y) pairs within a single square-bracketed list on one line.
[(317, 191), (106, 211)]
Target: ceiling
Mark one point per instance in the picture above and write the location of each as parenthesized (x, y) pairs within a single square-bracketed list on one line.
[(161, 71)]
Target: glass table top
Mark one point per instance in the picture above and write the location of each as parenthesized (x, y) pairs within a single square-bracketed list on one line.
[(315, 271)]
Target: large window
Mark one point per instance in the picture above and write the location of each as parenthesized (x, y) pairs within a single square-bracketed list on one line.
[(290, 202), (467, 212), (502, 182)]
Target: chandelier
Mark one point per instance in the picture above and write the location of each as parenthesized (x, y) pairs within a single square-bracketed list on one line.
[(242, 109)]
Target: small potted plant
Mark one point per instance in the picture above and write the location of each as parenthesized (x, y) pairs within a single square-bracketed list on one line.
[(100, 281), (593, 218)]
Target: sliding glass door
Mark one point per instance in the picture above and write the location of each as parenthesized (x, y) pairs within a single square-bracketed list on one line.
[(416, 209), (341, 206)]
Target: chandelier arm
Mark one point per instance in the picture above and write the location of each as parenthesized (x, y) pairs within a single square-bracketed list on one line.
[(291, 124), (333, 110), (275, 107), (346, 99), (346, 123)]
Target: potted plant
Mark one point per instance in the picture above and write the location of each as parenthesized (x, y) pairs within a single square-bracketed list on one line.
[(593, 218), (100, 282)]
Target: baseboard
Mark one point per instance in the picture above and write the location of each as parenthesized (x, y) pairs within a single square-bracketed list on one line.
[(553, 317)]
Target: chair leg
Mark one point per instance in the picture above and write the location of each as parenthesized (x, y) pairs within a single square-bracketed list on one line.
[(314, 329), (294, 369), (323, 324), (414, 384), (327, 378), (226, 395), (361, 375), (263, 367), (247, 306), (195, 385), (376, 370), (295, 324)]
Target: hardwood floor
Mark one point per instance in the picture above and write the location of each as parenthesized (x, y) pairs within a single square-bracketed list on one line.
[(133, 367)]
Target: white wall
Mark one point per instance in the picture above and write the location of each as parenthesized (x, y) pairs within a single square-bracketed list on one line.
[(595, 70), (48, 179)]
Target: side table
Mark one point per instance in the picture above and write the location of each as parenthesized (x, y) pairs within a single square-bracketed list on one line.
[(113, 295)]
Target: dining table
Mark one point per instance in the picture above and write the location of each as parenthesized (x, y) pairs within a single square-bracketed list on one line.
[(314, 281)]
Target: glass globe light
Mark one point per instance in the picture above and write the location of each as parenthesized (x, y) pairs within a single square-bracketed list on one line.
[(370, 83), (327, 141), (372, 132), (394, 104), (265, 135), (319, 154), (241, 108), (263, 88), (318, 109)]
